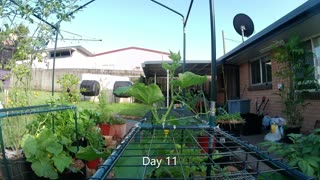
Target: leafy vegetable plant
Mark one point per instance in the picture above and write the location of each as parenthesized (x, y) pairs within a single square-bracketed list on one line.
[(46, 153), (303, 153), (225, 117)]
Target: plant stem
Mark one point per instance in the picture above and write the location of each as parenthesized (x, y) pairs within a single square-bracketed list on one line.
[(163, 118)]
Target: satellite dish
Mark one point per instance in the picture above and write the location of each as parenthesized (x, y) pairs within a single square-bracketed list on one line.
[(243, 24)]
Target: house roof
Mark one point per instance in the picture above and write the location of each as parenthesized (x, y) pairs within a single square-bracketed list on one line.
[(130, 48), (78, 48), (154, 68), (88, 53), (303, 20)]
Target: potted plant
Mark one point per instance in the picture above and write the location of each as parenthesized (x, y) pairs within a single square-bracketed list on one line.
[(104, 119), (58, 154), (45, 151), (51, 153), (297, 78), (230, 122), (12, 132), (94, 148), (118, 126)]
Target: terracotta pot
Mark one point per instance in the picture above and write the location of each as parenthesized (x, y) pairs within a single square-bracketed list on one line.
[(93, 164), (113, 144), (105, 129), (118, 131), (108, 140), (204, 143)]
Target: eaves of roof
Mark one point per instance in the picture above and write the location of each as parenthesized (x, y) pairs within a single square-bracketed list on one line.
[(304, 11), (130, 48)]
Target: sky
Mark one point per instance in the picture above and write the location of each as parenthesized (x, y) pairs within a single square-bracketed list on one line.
[(142, 23)]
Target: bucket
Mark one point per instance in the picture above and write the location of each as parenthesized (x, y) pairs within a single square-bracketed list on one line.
[(105, 129), (204, 143), (93, 164)]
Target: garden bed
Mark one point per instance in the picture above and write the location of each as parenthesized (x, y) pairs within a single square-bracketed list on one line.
[(149, 152)]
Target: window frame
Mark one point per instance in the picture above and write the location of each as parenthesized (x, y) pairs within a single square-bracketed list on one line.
[(260, 59), (315, 58), (60, 52)]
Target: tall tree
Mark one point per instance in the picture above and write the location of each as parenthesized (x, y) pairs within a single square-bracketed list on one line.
[(26, 28)]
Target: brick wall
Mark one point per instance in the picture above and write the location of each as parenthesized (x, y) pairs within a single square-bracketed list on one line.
[(311, 114), (274, 106)]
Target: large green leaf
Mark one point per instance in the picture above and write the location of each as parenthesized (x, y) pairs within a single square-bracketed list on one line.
[(55, 148), (188, 79), (89, 153), (43, 168), (46, 138), (62, 161), (29, 145), (147, 94)]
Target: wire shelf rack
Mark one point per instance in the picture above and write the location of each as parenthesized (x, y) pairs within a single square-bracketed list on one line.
[(190, 152), (15, 169)]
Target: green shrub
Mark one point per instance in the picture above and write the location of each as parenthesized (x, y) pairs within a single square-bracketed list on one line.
[(303, 153)]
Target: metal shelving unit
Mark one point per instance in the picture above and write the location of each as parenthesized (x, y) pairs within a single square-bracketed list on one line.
[(29, 110), (148, 153)]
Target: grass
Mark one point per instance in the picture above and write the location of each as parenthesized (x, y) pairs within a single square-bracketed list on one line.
[(14, 127), (134, 109), (127, 109)]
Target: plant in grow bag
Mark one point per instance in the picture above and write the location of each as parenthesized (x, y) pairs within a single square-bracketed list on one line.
[(46, 153)]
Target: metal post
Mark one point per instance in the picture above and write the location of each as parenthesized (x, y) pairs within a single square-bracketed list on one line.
[(184, 50), (213, 86), (184, 23), (168, 84), (5, 160), (54, 60), (184, 37), (213, 63), (243, 28), (76, 126), (223, 43)]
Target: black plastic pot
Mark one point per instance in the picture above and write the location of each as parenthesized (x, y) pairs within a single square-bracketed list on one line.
[(290, 130), (232, 128), (18, 169), (68, 175), (253, 124)]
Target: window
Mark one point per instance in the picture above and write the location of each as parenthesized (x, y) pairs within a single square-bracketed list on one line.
[(313, 46), (64, 53), (316, 51), (261, 71)]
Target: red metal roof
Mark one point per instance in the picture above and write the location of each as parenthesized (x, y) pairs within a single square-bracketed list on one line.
[(129, 48)]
